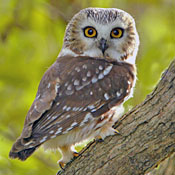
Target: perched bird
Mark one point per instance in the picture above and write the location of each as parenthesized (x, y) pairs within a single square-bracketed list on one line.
[(81, 95)]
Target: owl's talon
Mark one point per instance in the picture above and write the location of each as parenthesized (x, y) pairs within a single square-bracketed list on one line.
[(116, 131), (62, 165), (99, 139), (75, 154)]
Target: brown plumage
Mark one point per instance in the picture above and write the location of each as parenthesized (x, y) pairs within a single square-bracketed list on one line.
[(81, 95)]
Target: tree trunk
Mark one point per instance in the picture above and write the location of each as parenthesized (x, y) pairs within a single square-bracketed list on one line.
[(147, 137)]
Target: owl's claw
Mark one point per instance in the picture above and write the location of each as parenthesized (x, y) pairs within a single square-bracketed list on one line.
[(62, 165), (99, 139), (75, 154), (116, 131)]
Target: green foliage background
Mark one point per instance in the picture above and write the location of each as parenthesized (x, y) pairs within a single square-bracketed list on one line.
[(31, 36)]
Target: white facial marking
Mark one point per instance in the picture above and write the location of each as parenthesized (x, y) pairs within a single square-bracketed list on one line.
[(91, 93), (58, 103), (106, 96), (76, 82), (107, 70)]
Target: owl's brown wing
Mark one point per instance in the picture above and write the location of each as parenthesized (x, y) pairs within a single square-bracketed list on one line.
[(72, 92)]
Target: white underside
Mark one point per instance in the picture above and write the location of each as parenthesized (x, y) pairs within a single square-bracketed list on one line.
[(83, 133)]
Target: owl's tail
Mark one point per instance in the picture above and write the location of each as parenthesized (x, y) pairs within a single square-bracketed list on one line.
[(20, 151)]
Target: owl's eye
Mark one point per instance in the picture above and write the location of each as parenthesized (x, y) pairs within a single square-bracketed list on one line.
[(117, 33), (90, 32)]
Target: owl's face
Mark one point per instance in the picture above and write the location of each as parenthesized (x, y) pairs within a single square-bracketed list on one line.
[(102, 33)]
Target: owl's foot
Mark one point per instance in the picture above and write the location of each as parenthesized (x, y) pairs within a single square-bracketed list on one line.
[(116, 131), (62, 165), (75, 154), (99, 139)]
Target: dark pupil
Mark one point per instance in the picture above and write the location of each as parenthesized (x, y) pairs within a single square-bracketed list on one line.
[(90, 31), (115, 32)]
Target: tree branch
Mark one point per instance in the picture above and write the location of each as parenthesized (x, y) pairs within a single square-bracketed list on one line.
[(147, 137)]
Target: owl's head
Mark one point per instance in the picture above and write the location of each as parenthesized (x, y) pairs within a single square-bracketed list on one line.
[(102, 32)]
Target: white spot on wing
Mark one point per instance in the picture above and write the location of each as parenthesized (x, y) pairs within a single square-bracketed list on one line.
[(48, 86), (94, 79), (77, 69), (69, 92), (64, 107), (69, 88), (43, 139), (53, 136), (88, 74), (54, 117), (100, 76), (91, 93), (59, 130), (84, 78), (91, 106), (51, 132), (107, 70), (76, 82), (87, 118), (57, 86), (84, 66), (74, 124), (118, 94), (100, 67), (106, 96), (67, 116), (68, 108)]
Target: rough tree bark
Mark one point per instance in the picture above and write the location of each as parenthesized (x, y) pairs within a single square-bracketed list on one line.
[(147, 137)]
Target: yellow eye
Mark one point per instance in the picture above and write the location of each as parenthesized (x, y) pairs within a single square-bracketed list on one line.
[(90, 32), (116, 33)]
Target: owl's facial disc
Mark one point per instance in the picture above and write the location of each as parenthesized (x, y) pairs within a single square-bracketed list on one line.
[(102, 33)]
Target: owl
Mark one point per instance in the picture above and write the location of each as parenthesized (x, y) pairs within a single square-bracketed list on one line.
[(81, 95)]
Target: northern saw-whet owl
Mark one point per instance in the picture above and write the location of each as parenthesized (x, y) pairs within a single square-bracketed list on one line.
[(81, 95)]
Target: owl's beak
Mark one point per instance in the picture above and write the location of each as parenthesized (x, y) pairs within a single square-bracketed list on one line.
[(103, 45)]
